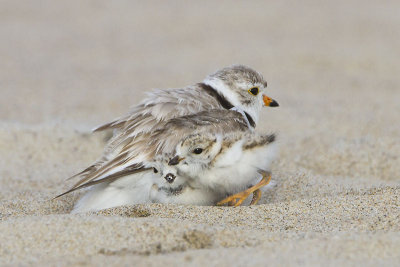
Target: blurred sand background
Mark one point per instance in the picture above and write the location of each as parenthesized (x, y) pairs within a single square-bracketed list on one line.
[(68, 66)]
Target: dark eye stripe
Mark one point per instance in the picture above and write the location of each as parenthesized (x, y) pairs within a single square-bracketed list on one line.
[(254, 91)]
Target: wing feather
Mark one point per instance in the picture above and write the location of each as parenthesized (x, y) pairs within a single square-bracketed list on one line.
[(156, 126)]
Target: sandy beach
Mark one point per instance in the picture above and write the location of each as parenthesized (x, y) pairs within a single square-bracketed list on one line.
[(68, 66)]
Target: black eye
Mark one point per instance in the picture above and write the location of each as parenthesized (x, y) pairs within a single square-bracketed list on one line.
[(197, 150), (170, 178), (254, 91)]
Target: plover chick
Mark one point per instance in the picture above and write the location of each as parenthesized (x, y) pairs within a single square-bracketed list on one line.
[(174, 188), (227, 164)]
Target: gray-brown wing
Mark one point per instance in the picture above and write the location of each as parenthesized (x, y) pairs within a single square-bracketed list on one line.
[(163, 105), (151, 115), (212, 121), (140, 150)]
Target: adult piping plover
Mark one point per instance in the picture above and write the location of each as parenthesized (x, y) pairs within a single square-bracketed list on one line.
[(237, 87), (226, 164)]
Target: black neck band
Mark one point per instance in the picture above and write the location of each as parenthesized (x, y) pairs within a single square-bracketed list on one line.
[(250, 119), (223, 101), (220, 98)]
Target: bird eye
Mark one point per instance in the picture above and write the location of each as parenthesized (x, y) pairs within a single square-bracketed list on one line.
[(254, 90), (197, 150), (170, 178)]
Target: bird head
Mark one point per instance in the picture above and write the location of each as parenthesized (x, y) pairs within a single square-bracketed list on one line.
[(243, 87), (196, 152)]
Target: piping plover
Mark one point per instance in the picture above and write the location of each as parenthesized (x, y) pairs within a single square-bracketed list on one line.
[(237, 87), (227, 164), (171, 187), (207, 167), (122, 190)]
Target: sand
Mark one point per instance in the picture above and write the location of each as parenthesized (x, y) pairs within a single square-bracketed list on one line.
[(68, 66)]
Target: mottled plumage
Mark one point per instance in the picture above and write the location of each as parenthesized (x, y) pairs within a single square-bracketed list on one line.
[(171, 187), (208, 167), (225, 164), (135, 188), (145, 131)]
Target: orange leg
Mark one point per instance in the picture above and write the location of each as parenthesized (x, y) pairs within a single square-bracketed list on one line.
[(237, 199), (256, 197)]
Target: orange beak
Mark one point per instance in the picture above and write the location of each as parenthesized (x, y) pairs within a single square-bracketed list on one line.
[(269, 102)]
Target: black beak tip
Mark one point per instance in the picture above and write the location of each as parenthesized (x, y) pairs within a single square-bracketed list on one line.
[(174, 161), (274, 104)]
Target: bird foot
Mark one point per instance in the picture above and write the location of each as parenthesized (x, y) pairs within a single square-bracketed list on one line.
[(237, 199)]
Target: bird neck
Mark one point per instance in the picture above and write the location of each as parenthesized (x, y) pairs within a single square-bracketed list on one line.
[(224, 102)]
